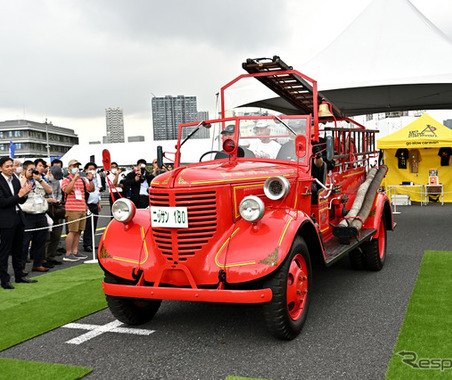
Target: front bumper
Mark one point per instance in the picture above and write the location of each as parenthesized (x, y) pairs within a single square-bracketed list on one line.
[(188, 294)]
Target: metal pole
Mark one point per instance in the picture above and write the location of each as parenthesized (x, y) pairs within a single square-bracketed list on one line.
[(94, 260)]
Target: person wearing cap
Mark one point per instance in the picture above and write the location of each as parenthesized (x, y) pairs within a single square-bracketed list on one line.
[(74, 187), (264, 147), (54, 176), (228, 133)]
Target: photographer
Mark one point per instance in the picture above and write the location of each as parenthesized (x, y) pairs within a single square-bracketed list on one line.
[(139, 181), (34, 209)]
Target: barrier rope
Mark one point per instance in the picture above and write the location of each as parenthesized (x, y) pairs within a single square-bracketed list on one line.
[(49, 227)]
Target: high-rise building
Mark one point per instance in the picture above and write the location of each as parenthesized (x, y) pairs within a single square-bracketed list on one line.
[(115, 125), (170, 111)]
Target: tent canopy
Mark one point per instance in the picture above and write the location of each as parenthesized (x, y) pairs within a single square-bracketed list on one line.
[(424, 132), (390, 58)]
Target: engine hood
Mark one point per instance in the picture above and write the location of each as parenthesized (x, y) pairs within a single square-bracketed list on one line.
[(222, 173)]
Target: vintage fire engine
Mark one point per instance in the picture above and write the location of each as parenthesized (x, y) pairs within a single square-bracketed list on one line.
[(243, 223)]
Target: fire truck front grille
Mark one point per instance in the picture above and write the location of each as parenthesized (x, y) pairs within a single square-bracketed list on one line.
[(182, 243)]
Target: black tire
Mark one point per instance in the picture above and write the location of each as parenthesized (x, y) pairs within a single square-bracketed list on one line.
[(375, 250), (291, 283), (357, 259), (131, 311)]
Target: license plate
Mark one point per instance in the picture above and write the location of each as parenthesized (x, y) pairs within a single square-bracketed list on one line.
[(170, 217)]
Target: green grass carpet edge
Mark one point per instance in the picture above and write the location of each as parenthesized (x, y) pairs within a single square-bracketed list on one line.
[(22, 369), (58, 298), (422, 346)]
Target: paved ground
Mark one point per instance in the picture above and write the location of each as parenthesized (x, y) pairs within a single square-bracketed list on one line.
[(351, 329)]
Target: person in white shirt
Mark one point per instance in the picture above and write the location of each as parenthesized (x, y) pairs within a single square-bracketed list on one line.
[(264, 146), (94, 207), (115, 176)]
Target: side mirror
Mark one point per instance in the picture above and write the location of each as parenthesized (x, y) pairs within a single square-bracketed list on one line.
[(159, 156), (329, 148), (300, 146)]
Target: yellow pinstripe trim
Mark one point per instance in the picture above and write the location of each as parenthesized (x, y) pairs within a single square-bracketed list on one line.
[(230, 265), (135, 261), (285, 230), (234, 199), (237, 179), (348, 175)]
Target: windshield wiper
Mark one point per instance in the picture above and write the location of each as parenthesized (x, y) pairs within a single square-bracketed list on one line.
[(282, 122), (193, 132)]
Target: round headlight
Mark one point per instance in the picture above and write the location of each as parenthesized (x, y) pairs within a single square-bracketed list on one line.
[(276, 187), (123, 210), (251, 208)]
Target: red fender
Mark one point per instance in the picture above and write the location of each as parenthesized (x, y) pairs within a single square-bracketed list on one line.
[(373, 221), (121, 248), (271, 239)]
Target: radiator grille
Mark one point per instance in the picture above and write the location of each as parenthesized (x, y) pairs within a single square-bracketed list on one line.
[(180, 244)]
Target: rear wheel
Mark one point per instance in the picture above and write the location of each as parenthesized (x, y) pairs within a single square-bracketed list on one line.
[(131, 311), (357, 259), (286, 313), (375, 250)]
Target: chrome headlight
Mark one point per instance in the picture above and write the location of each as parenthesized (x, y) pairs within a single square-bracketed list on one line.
[(251, 208), (276, 187), (123, 210)]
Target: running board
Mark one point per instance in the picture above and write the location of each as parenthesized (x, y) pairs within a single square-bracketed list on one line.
[(334, 250)]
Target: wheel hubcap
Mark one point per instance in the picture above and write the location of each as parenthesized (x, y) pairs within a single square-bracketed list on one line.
[(297, 286)]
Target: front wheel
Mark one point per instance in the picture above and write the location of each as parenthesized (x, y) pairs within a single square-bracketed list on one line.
[(131, 311), (286, 313)]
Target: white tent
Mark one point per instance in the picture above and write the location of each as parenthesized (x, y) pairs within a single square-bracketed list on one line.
[(391, 57), (128, 154)]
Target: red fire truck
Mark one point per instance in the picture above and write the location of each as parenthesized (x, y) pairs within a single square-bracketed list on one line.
[(266, 198)]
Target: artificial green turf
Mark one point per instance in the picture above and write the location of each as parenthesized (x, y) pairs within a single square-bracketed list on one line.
[(22, 369), (427, 327), (57, 298)]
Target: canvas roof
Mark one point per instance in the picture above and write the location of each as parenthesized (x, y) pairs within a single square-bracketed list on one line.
[(390, 58), (424, 132)]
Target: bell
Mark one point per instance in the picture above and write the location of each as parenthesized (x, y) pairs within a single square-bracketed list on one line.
[(324, 110)]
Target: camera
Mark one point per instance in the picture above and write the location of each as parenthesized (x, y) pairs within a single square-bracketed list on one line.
[(34, 171)]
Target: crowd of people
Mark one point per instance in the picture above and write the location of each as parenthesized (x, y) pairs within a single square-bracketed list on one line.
[(37, 201)]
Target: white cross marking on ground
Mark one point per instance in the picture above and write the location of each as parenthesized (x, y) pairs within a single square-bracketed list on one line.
[(97, 330)]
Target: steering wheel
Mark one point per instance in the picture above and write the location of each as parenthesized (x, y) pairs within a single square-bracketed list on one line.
[(206, 153)]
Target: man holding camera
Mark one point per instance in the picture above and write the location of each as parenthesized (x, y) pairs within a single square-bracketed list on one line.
[(139, 181), (34, 209), (74, 187), (94, 207)]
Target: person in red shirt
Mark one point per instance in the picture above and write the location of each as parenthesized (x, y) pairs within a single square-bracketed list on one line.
[(74, 187)]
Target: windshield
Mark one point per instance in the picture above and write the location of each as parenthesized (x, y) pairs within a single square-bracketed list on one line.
[(260, 138)]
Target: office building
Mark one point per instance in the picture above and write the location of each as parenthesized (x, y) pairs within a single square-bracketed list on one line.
[(170, 111), (115, 125), (31, 139), (135, 138)]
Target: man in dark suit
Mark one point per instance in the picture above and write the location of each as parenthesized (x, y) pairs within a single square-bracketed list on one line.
[(139, 181), (11, 223)]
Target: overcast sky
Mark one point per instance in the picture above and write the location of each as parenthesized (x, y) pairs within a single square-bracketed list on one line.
[(68, 60)]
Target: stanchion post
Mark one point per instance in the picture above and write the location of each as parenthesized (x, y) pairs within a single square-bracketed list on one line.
[(94, 260)]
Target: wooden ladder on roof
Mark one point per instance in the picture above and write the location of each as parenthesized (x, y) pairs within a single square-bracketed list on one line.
[(290, 86)]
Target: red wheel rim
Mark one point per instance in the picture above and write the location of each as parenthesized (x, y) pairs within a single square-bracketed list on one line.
[(382, 239), (297, 286)]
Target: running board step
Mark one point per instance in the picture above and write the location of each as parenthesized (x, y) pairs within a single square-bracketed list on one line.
[(334, 250)]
